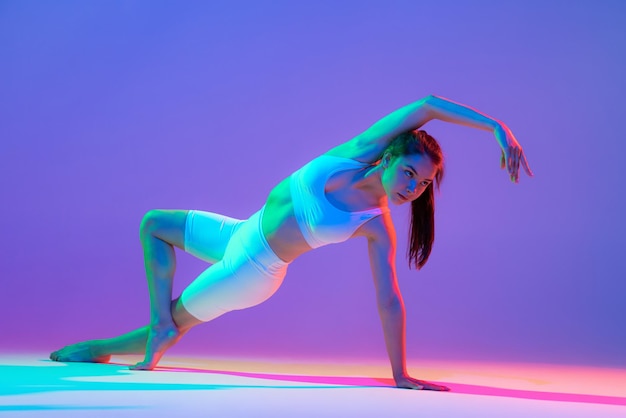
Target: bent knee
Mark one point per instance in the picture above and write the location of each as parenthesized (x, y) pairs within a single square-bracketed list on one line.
[(167, 225), (150, 222)]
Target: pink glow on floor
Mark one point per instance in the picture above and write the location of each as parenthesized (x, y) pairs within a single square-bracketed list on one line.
[(455, 387), (239, 387)]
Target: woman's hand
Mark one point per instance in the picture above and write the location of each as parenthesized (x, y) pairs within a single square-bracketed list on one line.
[(512, 153), (407, 382)]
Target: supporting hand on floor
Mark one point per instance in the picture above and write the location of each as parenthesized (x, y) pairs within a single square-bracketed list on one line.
[(407, 382)]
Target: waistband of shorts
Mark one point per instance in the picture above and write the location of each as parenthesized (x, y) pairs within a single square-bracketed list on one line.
[(269, 257)]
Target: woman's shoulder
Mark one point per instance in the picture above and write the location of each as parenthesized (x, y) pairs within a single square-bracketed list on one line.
[(379, 229), (333, 160), (351, 150), (341, 158)]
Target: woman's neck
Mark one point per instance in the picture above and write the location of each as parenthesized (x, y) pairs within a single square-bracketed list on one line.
[(369, 181)]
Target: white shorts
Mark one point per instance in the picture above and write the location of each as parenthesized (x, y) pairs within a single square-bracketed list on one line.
[(246, 270)]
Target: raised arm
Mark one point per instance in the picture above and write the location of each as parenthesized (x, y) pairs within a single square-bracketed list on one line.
[(369, 145), (512, 153), (382, 253)]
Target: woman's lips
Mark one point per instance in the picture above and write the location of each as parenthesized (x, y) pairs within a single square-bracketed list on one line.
[(404, 199)]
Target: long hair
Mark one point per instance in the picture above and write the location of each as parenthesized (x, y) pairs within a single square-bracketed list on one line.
[(422, 220)]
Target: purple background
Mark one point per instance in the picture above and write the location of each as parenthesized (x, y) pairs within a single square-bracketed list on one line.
[(109, 109)]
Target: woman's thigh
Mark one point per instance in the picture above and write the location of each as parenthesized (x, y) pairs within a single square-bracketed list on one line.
[(207, 234), (248, 274), (220, 289)]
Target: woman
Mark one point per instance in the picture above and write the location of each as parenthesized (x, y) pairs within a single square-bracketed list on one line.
[(342, 194)]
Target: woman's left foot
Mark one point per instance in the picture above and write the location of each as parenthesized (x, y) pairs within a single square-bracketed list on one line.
[(159, 340)]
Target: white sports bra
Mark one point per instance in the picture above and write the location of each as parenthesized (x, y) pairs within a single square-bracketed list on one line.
[(320, 222)]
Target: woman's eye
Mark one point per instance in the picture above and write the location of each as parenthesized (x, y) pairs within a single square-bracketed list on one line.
[(425, 183), (408, 173)]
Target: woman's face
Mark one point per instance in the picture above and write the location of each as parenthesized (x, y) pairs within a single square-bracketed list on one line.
[(406, 177)]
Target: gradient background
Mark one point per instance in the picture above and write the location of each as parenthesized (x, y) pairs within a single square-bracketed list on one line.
[(109, 109)]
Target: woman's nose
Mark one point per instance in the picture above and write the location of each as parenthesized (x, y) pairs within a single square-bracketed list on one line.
[(412, 185)]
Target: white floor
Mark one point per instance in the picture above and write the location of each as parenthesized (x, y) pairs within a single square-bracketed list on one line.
[(30, 385)]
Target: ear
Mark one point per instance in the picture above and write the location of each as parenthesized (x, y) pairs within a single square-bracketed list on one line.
[(386, 159)]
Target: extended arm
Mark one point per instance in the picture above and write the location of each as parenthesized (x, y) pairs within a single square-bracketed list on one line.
[(382, 251), (375, 139), (449, 111), (512, 153)]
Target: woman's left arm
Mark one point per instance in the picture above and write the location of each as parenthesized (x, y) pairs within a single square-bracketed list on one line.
[(370, 144), (512, 153), (382, 253)]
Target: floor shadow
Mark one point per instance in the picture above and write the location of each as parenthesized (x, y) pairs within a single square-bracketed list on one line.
[(454, 387), (20, 379)]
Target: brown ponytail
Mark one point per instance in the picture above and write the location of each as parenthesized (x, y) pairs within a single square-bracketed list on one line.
[(422, 220)]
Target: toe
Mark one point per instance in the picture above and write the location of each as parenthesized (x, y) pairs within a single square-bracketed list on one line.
[(142, 366)]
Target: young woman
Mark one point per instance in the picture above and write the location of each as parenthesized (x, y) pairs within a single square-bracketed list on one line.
[(342, 194)]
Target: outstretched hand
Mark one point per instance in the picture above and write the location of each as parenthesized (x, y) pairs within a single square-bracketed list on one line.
[(512, 153), (407, 382)]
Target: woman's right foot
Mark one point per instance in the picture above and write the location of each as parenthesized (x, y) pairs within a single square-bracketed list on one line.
[(82, 352)]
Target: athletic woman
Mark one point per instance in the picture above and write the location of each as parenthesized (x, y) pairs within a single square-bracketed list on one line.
[(344, 193)]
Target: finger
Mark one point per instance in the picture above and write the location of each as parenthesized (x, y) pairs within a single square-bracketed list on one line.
[(432, 386), (516, 165), (508, 161), (141, 366), (411, 383), (526, 166)]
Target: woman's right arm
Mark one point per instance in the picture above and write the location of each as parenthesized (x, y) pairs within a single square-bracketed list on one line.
[(381, 238)]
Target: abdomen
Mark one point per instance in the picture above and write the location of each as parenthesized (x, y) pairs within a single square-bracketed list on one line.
[(280, 226)]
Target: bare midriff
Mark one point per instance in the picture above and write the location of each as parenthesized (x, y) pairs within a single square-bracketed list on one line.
[(279, 224)]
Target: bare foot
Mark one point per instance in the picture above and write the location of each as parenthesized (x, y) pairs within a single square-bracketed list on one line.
[(160, 338), (83, 352)]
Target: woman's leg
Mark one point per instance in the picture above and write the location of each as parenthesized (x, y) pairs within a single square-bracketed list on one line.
[(133, 342), (203, 234), (161, 231), (248, 273)]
